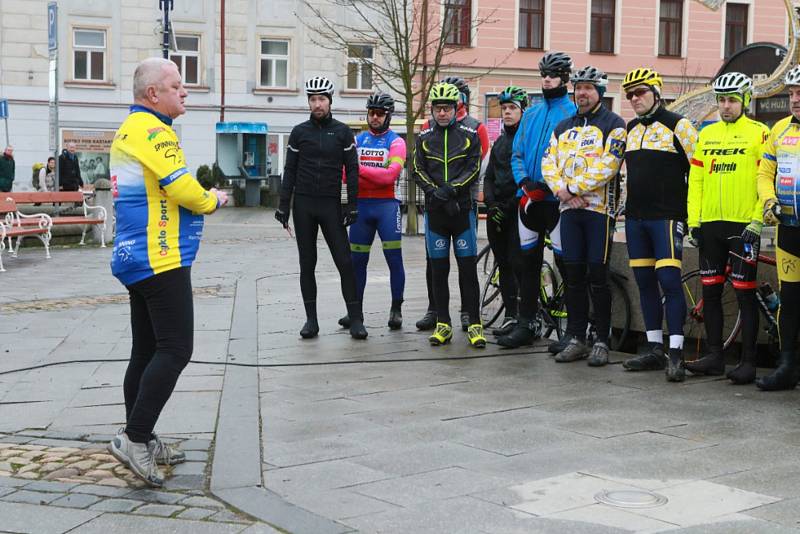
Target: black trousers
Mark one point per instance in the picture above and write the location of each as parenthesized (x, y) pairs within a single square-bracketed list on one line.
[(310, 215), (504, 241), (162, 325)]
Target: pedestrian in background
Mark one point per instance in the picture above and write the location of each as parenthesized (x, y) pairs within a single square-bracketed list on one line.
[(69, 170), (7, 168)]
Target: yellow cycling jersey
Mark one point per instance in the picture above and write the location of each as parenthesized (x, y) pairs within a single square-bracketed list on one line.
[(158, 203), (584, 156), (722, 180), (779, 173)]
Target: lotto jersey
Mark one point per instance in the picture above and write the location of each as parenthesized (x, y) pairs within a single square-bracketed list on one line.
[(381, 158), (158, 203), (779, 173)]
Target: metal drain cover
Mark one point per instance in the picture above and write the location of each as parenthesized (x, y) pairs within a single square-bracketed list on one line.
[(630, 498)]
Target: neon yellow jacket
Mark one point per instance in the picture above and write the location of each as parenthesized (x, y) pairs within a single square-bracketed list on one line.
[(722, 181), (779, 173)]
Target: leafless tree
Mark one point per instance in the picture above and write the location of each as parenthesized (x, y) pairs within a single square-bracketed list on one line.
[(411, 43)]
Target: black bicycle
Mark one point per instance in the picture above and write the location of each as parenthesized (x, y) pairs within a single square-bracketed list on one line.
[(552, 314)]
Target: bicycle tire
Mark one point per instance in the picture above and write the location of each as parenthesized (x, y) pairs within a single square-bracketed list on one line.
[(693, 292), (552, 306), (492, 305)]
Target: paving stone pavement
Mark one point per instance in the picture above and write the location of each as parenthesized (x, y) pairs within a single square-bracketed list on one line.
[(348, 440)]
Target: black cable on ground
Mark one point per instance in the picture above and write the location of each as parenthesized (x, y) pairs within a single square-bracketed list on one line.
[(300, 364)]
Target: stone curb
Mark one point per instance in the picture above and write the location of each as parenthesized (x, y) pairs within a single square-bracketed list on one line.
[(236, 469)]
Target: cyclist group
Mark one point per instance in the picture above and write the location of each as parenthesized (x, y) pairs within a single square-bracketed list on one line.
[(554, 172)]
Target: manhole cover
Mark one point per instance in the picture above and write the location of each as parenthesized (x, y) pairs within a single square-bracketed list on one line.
[(631, 498)]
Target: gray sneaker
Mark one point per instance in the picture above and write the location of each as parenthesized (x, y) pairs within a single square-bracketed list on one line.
[(166, 454), (575, 350), (599, 355), (138, 457)]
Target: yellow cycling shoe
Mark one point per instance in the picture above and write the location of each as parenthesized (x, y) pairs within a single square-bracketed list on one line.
[(443, 334), (475, 336)]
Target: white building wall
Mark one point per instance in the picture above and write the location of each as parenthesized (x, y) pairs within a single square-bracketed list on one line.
[(131, 28)]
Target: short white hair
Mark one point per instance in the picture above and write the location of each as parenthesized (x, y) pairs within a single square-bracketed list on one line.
[(149, 72)]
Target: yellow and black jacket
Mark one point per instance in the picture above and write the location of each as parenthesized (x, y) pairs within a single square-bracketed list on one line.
[(584, 156), (657, 156), (779, 172)]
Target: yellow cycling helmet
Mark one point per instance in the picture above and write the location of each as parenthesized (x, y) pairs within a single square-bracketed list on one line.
[(640, 76), (444, 93)]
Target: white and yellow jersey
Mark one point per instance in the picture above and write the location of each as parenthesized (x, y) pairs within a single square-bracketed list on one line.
[(158, 203)]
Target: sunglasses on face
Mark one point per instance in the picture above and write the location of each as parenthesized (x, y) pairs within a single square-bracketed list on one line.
[(550, 74), (638, 93), (442, 108), (380, 113)]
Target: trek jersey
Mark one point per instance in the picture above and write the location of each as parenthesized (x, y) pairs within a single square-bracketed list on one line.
[(657, 155), (722, 181), (584, 156), (779, 172), (158, 203), (381, 158)]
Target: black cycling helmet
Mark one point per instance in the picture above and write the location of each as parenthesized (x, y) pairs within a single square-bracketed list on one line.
[(557, 63), (385, 102), (461, 83), (382, 101)]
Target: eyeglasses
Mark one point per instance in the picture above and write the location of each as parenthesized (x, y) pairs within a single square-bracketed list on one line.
[(379, 113), (441, 108), (638, 93), (550, 74)]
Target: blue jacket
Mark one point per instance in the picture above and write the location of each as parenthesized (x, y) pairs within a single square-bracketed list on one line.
[(533, 137)]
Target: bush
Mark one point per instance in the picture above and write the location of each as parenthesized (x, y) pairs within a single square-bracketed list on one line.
[(211, 176)]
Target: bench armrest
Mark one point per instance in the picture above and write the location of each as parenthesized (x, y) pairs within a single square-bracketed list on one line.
[(45, 221), (101, 209)]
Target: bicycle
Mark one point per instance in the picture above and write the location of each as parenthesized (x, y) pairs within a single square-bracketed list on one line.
[(552, 315), (692, 286)]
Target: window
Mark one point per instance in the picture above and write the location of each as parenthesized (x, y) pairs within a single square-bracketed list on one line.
[(602, 26), (608, 102), (274, 63), (359, 67), (458, 20), (735, 27), (187, 58), (531, 24), (89, 55), (669, 28)]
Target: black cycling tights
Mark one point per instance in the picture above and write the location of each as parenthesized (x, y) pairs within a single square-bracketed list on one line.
[(470, 292), (578, 303), (310, 215), (162, 326)]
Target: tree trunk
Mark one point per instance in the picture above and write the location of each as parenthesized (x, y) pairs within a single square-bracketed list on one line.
[(411, 191)]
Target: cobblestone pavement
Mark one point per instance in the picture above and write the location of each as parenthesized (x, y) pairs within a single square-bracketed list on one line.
[(386, 435)]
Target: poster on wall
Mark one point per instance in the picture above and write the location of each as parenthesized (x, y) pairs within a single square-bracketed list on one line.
[(92, 149)]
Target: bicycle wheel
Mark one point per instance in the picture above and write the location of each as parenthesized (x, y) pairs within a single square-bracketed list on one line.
[(694, 327), (552, 305), (491, 300), (485, 263)]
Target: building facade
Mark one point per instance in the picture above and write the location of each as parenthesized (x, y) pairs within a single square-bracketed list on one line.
[(685, 41), (269, 54)]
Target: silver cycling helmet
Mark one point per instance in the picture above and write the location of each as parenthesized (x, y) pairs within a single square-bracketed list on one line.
[(319, 85)]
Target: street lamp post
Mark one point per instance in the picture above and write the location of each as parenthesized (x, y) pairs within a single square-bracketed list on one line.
[(165, 6)]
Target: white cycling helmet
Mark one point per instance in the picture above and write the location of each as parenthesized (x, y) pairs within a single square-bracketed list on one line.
[(319, 85), (793, 76), (734, 83)]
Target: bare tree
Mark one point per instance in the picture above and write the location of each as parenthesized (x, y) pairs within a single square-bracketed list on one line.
[(411, 39)]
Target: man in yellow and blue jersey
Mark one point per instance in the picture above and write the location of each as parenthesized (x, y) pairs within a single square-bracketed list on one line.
[(159, 207)]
